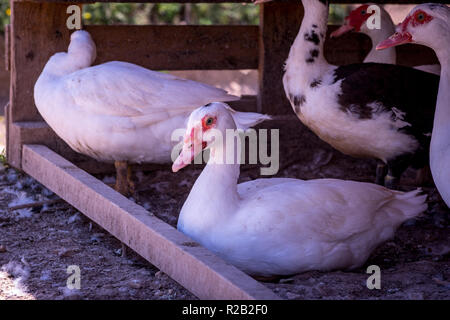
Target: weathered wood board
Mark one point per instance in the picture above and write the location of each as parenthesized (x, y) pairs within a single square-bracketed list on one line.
[(178, 47)]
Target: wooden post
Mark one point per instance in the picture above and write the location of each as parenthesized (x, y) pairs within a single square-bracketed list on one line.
[(279, 25), (38, 30)]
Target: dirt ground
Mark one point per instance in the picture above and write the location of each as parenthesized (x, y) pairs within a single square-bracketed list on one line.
[(37, 245)]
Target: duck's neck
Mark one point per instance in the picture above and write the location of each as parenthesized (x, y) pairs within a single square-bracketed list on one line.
[(63, 63), (306, 53), (377, 35), (441, 126), (214, 195)]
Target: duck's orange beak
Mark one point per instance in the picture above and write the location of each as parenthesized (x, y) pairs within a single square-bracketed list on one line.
[(396, 39)]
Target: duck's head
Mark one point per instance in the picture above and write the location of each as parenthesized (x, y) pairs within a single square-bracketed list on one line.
[(207, 123), (427, 24), (357, 20), (82, 47), (80, 54)]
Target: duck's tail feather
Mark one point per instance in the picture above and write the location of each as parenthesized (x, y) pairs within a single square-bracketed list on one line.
[(410, 203)]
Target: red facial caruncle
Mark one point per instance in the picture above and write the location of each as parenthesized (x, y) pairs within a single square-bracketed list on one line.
[(418, 18), (358, 16), (207, 123)]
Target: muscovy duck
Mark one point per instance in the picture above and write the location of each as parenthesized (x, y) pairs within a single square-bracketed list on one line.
[(429, 24), (368, 110), (357, 21), (116, 111), (282, 226)]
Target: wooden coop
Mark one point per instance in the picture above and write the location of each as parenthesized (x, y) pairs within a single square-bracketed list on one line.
[(38, 30)]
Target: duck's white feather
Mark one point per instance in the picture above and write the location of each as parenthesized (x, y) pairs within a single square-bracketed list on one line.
[(116, 110)]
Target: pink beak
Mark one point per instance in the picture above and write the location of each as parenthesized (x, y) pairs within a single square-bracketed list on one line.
[(180, 163), (341, 30), (192, 146), (395, 40)]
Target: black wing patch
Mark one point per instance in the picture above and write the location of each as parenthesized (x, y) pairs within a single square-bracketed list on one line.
[(411, 91)]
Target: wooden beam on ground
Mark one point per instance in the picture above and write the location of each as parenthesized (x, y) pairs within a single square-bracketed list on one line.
[(178, 47), (194, 267)]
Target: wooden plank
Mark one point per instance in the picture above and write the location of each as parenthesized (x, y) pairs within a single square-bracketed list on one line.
[(38, 132), (279, 25), (178, 47), (38, 30), (247, 103), (7, 47), (195, 268)]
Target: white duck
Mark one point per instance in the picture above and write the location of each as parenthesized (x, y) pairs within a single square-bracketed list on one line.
[(429, 24), (282, 226), (356, 21), (116, 111)]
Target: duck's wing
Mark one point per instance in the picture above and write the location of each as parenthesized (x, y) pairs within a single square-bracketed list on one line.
[(340, 210), (328, 209), (127, 90), (391, 88)]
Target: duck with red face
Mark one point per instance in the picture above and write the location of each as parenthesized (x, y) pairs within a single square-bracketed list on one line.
[(358, 21), (429, 24), (364, 110)]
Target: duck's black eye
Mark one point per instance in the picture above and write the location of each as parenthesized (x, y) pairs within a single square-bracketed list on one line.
[(209, 121), (420, 16), (363, 12)]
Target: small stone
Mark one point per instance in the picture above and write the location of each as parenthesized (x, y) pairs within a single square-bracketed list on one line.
[(96, 237), (73, 218), (158, 293), (292, 296), (135, 284), (63, 253), (392, 290), (2, 248)]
